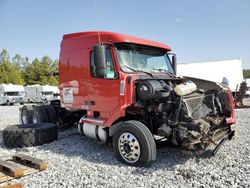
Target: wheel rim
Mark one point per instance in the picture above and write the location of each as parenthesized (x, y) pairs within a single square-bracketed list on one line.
[(25, 117), (129, 147)]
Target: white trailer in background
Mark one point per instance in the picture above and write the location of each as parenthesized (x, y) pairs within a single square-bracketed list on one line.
[(11, 94), (39, 93), (225, 71)]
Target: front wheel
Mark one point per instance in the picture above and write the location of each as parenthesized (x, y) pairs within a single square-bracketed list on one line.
[(134, 144)]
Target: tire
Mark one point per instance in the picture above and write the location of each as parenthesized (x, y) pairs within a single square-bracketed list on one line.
[(51, 112), (18, 136), (26, 114), (134, 144), (39, 114)]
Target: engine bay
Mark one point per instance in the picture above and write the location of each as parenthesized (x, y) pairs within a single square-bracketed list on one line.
[(190, 112)]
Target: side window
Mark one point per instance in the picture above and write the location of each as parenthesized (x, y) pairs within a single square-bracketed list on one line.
[(109, 63), (110, 68)]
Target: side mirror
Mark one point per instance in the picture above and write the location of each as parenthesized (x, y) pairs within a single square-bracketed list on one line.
[(99, 61)]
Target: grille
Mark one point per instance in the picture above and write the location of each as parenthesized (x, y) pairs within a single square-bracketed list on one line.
[(200, 106)]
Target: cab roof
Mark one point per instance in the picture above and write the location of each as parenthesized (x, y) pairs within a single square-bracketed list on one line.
[(116, 38)]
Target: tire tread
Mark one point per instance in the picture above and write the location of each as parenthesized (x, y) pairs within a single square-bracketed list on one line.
[(146, 138), (29, 135)]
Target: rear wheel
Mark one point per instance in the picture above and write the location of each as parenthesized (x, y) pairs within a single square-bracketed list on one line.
[(52, 116), (26, 113), (134, 144), (39, 114)]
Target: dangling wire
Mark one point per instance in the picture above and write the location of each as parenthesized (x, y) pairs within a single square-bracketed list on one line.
[(95, 10)]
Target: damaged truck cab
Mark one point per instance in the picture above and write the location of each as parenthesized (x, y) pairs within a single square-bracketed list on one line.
[(124, 90), (127, 81)]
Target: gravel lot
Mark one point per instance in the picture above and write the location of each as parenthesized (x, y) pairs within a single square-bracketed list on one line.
[(74, 161)]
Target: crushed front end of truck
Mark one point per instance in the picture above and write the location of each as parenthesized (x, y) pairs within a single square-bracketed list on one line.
[(193, 114)]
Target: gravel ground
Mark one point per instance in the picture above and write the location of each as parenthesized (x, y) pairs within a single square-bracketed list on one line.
[(74, 161)]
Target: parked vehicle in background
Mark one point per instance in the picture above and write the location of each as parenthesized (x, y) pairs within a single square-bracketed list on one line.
[(38, 93), (11, 94), (226, 71)]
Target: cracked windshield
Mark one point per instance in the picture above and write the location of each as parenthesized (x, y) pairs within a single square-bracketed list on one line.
[(138, 58)]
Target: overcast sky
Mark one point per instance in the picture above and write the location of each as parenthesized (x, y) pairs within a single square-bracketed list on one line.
[(197, 30)]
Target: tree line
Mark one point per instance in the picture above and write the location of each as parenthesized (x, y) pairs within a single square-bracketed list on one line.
[(20, 70), (246, 73)]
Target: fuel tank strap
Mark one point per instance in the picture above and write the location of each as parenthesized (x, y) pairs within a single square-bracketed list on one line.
[(92, 121)]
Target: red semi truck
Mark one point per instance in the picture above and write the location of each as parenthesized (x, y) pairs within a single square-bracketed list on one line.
[(123, 90)]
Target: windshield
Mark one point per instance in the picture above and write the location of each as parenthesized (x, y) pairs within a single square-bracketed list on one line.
[(136, 58), (47, 93), (12, 93)]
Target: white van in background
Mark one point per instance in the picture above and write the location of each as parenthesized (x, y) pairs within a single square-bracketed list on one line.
[(39, 93), (11, 94)]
